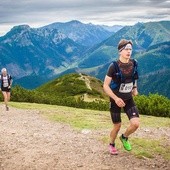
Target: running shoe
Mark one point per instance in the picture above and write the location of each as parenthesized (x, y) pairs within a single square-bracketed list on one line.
[(126, 143), (113, 150), (7, 108)]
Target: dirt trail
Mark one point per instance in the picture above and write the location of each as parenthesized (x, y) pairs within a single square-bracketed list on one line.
[(86, 80), (28, 141)]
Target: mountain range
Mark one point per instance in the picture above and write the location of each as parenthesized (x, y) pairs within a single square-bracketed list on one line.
[(27, 51), (84, 34), (35, 55)]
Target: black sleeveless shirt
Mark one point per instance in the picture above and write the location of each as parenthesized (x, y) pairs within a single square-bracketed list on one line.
[(127, 71)]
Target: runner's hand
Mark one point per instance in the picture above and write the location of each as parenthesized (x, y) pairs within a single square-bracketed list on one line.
[(135, 92), (119, 102)]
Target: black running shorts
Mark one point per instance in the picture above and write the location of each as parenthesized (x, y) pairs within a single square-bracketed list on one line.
[(5, 89), (130, 109)]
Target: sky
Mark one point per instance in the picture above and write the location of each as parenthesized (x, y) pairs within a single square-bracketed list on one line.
[(37, 13)]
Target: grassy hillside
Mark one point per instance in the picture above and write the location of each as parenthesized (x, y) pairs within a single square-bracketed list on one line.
[(144, 143), (75, 85)]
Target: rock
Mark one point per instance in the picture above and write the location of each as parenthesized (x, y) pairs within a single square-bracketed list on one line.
[(86, 131)]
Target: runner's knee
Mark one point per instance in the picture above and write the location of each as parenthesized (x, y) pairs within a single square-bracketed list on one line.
[(5, 96), (135, 123)]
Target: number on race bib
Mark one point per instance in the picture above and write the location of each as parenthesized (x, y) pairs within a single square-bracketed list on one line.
[(126, 87)]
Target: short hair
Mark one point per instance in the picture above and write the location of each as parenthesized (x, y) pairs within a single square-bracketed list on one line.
[(3, 70), (122, 43)]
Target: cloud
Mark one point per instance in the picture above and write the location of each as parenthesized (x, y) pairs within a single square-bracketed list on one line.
[(110, 12)]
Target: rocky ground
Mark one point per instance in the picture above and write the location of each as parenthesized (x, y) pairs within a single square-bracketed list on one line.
[(28, 141)]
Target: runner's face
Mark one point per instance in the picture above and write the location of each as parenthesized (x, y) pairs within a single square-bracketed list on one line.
[(4, 73), (127, 51)]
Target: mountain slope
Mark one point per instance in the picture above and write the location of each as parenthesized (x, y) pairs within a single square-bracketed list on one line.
[(84, 34), (143, 36), (155, 83), (155, 59), (113, 28), (25, 51)]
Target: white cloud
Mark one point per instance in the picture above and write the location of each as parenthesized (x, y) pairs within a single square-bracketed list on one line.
[(109, 12)]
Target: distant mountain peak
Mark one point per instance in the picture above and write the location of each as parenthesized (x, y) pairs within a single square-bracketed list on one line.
[(21, 27), (18, 35), (75, 22), (83, 34), (139, 23)]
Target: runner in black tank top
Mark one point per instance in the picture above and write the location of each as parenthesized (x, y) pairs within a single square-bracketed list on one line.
[(122, 97)]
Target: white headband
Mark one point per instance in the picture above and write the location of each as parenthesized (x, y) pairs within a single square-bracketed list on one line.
[(127, 46)]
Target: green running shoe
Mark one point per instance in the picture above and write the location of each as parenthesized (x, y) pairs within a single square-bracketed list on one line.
[(126, 143)]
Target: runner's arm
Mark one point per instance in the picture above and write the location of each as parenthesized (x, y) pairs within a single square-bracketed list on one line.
[(109, 92), (135, 89), (11, 80)]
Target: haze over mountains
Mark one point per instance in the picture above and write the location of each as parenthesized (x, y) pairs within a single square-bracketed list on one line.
[(34, 56)]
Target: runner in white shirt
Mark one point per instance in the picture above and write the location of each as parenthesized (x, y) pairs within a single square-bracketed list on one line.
[(6, 84)]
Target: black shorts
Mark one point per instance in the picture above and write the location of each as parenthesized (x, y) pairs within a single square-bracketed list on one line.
[(130, 109), (5, 89)]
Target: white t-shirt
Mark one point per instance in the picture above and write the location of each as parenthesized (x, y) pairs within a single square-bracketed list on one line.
[(5, 81)]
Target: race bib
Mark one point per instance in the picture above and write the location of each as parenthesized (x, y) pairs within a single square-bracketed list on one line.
[(126, 87)]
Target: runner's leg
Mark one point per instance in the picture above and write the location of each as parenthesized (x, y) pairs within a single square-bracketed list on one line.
[(8, 96), (134, 124), (133, 115), (116, 119), (5, 99)]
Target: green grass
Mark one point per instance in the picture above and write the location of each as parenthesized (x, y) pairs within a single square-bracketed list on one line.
[(77, 118), (149, 147), (92, 119), (155, 122), (100, 120), (144, 148)]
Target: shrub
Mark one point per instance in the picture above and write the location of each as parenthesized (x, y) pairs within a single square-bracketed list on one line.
[(154, 104)]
